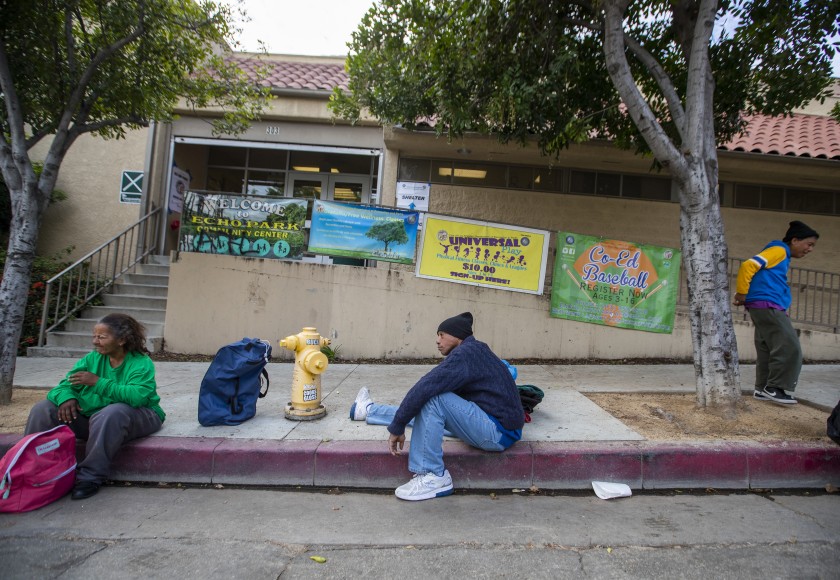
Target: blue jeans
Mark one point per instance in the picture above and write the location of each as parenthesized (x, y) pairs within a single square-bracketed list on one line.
[(446, 414)]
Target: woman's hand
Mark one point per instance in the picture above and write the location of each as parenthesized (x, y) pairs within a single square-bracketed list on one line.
[(68, 411), (83, 378)]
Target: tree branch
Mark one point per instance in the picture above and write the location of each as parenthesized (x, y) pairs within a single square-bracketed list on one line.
[(638, 108), (92, 127), (61, 142), (72, 62), (16, 146), (700, 85), (663, 81)]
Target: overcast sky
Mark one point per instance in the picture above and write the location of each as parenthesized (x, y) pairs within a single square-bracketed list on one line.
[(314, 27)]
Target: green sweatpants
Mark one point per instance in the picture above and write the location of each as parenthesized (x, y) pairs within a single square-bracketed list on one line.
[(778, 353)]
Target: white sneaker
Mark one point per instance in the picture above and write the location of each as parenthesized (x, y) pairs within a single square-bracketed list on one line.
[(426, 486), (359, 408)]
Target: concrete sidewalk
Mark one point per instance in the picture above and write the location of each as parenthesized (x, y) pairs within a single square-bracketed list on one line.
[(570, 442)]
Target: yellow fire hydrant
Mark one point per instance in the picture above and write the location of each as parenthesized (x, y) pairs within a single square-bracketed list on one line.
[(310, 362)]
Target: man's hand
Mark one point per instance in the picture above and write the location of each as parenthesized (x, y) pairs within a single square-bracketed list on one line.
[(395, 444), (68, 411), (738, 299), (83, 378)]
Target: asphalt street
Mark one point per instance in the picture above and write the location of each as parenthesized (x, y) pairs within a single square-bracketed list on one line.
[(221, 532)]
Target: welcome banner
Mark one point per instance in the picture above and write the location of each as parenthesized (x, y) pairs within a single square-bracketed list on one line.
[(615, 283), (483, 254), (357, 231), (252, 226)]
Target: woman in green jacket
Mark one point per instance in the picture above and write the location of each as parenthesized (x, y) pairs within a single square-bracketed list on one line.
[(108, 397)]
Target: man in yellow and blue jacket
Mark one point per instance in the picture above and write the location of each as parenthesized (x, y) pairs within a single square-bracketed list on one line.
[(762, 287)]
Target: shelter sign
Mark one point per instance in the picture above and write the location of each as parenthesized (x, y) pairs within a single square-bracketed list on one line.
[(615, 283), (413, 195), (131, 186), (235, 225), (359, 231), (483, 254)]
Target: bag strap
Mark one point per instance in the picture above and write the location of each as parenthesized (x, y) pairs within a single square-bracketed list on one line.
[(267, 354), (264, 375), (233, 401)]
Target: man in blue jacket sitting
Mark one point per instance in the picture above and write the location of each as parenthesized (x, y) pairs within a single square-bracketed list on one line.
[(471, 395)]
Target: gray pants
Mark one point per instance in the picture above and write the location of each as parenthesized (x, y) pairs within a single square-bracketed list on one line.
[(778, 358), (105, 431)]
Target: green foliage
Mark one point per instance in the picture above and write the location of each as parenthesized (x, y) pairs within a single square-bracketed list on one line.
[(43, 268), (331, 352), (388, 232), (118, 65), (295, 214), (535, 69)]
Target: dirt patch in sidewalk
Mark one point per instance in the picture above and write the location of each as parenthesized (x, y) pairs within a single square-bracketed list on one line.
[(13, 417), (676, 417)]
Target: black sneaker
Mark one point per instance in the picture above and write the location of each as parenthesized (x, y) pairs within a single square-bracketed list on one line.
[(759, 394), (779, 396)]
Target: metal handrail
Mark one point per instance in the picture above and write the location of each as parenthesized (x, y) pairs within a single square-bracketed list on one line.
[(90, 276), (815, 294)]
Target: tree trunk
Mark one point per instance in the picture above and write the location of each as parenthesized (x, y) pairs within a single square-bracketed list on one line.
[(705, 261), (14, 288)]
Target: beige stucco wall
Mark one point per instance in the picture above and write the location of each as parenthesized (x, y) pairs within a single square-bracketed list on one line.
[(90, 176), (378, 313)]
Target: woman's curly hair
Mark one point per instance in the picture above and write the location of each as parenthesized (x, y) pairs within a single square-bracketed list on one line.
[(127, 329)]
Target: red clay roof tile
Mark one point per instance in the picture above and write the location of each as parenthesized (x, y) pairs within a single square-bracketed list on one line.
[(294, 75), (798, 135)]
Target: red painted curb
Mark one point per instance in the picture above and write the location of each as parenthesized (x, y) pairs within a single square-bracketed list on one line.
[(641, 465), (166, 459), (264, 462)]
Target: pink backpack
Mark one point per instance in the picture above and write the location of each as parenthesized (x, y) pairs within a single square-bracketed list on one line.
[(38, 470)]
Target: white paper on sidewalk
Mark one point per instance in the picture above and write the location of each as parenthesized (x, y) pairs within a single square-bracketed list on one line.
[(606, 490)]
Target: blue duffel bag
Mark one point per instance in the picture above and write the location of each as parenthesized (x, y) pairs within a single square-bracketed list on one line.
[(237, 377)]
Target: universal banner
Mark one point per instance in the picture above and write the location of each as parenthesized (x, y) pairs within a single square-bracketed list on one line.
[(359, 231), (483, 254), (235, 225), (615, 283)]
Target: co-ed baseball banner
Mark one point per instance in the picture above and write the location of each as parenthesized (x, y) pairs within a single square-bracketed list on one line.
[(483, 254), (252, 226), (358, 231), (615, 283)]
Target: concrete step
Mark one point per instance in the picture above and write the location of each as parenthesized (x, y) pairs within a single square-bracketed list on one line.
[(158, 260), (154, 269), (147, 279), (140, 290), (81, 341), (141, 294), (86, 325), (134, 301), (153, 343), (145, 315)]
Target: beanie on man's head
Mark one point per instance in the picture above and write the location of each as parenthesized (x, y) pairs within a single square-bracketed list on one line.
[(800, 231), (458, 326)]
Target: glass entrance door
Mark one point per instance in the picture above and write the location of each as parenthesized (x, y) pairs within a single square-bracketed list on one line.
[(326, 187), (307, 185), (349, 188)]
